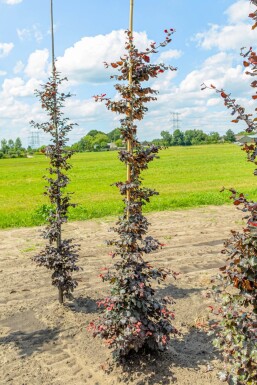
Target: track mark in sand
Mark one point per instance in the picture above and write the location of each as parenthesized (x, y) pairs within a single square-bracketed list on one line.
[(210, 243), (65, 364)]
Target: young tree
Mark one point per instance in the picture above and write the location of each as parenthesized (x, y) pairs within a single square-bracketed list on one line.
[(132, 316), (237, 293), (59, 255), (237, 330)]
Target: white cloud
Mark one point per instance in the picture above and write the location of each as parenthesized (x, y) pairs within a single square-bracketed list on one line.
[(12, 2), (17, 87), (238, 11), (30, 33), (3, 73), (164, 82), (198, 109), (84, 109), (84, 61), (171, 54), (217, 69), (234, 35), (37, 66), (5, 49), (213, 102), (230, 37)]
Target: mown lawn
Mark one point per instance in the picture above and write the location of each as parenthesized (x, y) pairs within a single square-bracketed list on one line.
[(184, 176)]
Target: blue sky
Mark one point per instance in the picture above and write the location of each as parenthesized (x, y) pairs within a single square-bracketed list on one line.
[(205, 47)]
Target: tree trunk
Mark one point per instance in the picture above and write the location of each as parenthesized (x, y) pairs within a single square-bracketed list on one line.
[(60, 295)]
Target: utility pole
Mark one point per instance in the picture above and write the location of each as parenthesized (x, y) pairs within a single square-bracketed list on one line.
[(175, 121), (34, 141)]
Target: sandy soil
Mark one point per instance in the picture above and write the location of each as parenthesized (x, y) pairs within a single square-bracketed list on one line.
[(43, 343)]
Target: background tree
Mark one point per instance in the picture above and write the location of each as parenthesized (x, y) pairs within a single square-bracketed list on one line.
[(230, 136), (93, 133), (188, 136), (178, 138), (213, 137), (118, 142), (167, 138), (4, 146), (132, 316), (114, 135), (199, 137), (100, 140), (12, 149), (18, 144), (11, 144), (84, 144)]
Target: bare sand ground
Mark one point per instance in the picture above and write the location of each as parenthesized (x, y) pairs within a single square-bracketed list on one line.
[(43, 343)]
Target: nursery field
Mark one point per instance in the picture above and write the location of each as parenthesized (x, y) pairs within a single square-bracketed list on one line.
[(185, 177), (44, 343)]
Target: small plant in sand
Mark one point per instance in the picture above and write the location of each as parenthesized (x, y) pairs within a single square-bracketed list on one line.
[(60, 255), (132, 317), (237, 292)]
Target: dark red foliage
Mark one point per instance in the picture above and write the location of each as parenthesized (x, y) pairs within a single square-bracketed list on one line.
[(236, 295), (59, 255), (237, 291), (132, 316)]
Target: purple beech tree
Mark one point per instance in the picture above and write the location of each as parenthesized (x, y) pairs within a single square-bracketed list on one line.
[(237, 291), (60, 255), (132, 317)]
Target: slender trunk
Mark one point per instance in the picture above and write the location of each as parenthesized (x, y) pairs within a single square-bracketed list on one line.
[(58, 199), (60, 295)]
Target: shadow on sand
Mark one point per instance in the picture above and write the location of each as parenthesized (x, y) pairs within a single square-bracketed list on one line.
[(176, 292), (31, 342), (85, 305)]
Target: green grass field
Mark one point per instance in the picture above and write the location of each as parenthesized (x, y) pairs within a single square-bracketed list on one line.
[(184, 176)]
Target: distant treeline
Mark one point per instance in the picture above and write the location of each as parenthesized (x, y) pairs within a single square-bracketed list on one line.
[(193, 137), (12, 149), (98, 141)]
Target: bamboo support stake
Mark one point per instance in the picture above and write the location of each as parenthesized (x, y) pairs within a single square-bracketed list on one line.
[(52, 35), (129, 143), (59, 237)]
